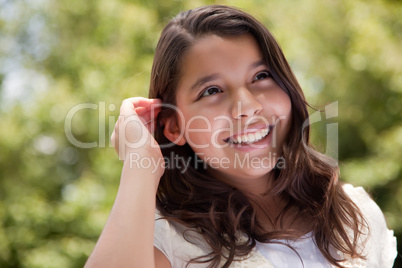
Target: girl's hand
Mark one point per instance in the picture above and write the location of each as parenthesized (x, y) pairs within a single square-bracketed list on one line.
[(133, 212), (132, 137)]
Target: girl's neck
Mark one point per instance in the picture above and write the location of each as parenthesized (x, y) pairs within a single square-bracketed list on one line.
[(249, 186), (277, 213)]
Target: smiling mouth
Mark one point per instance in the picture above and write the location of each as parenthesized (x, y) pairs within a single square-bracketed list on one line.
[(250, 137)]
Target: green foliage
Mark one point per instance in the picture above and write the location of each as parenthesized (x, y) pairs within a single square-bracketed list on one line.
[(55, 55)]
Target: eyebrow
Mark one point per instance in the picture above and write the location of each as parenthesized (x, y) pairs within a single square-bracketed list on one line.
[(257, 64), (203, 80), (212, 77)]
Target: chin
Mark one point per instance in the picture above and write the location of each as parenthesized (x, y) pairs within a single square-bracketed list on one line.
[(252, 173)]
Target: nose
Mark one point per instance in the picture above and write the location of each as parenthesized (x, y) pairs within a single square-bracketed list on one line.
[(245, 104)]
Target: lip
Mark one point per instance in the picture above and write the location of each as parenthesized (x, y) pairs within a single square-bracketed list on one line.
[(252, 129), (263, 143)]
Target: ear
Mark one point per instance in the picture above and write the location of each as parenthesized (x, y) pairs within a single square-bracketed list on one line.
[(172, 131)]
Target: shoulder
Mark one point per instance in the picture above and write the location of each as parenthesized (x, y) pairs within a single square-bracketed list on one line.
[(177, 242), (380, 244), (365, 203), (367, 206)]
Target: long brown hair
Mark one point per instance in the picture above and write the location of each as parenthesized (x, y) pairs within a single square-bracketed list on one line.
[(218, 211)]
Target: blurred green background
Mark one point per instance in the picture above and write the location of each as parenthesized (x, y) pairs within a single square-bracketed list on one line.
[(57, 56)]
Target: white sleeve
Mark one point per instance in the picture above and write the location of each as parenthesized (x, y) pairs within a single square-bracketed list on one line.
[(179, 250), (162, 235), (380, 249)]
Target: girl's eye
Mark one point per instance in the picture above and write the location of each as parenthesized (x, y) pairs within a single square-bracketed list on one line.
[(211, 91), (262, 75)]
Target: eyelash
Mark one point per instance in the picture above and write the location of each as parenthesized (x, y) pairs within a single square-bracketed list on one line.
[(268, 75), (208, 88)]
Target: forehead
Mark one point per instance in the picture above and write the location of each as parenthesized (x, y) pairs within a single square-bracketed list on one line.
[(221, 48), (212, 54)]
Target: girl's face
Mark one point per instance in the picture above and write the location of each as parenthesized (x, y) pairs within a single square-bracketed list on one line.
[(231, 111)]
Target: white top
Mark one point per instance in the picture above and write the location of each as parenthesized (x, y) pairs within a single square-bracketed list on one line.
[(380, 248), (282, 256)]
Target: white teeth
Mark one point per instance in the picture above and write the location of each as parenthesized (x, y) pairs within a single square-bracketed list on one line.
[(250, 137)]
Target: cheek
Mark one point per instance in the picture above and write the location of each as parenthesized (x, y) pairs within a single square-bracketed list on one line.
[(282, 109), (286, 111), (203, 132), (287, 106), (283, 106), (198, 129), (283, 101)]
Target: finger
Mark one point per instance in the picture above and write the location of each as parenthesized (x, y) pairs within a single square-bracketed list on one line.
[(127, 108), (143, 114), (145, 109), (149, 115), (137, 105), (138, 102)]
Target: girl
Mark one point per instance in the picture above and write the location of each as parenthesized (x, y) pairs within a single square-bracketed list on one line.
[(230, 168)]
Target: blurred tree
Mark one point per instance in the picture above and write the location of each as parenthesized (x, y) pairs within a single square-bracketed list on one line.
[(57, 57)]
